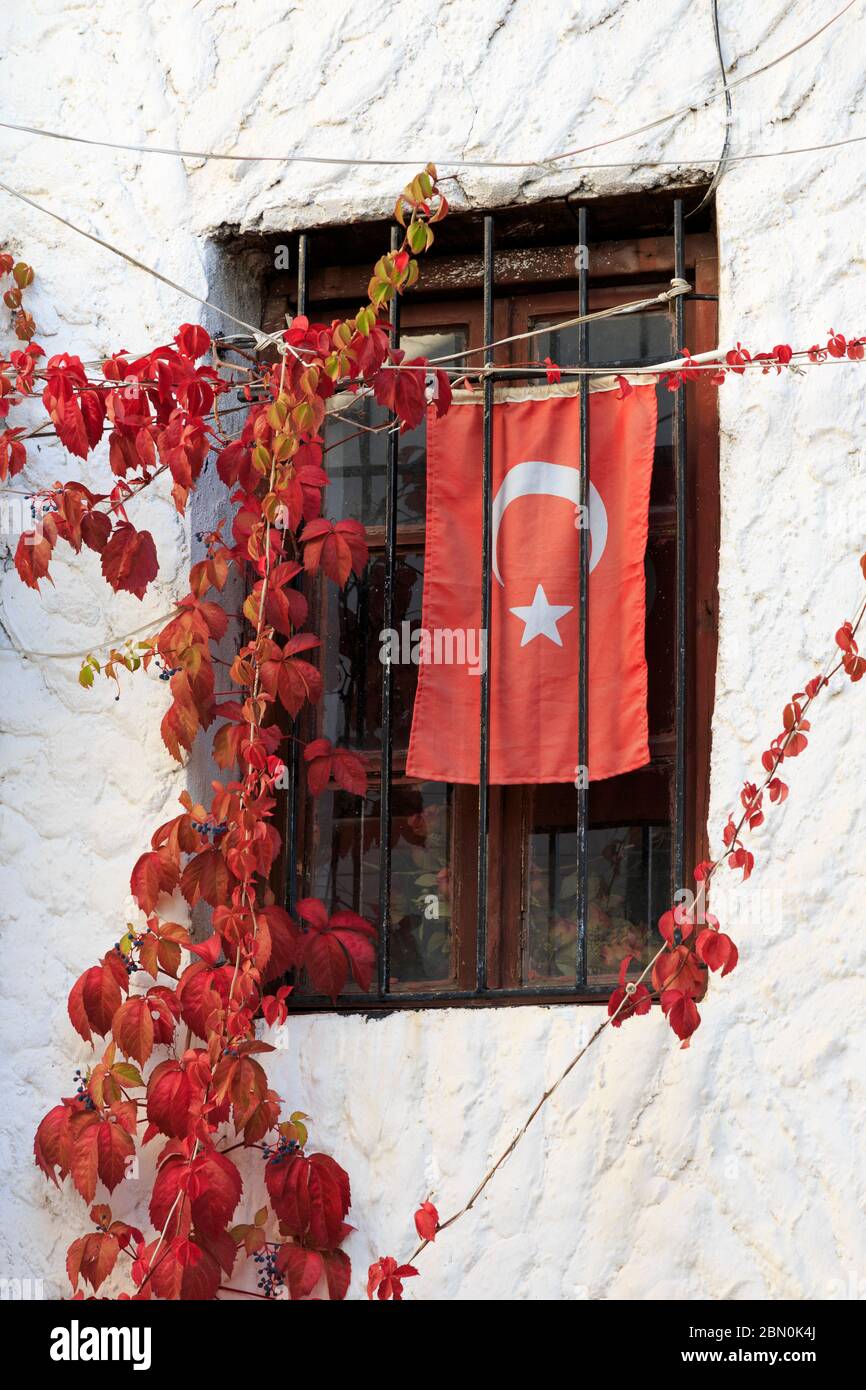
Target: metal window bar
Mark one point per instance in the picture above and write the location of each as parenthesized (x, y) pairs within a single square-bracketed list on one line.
[(486, 506), (393, 451), (294, 762), (482, 992), (681, 563), (582, 828)]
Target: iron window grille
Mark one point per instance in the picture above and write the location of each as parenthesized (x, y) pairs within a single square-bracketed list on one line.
[(482, 980)]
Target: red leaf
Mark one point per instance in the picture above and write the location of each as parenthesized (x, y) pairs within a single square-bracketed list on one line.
[(92, 1257), (287, 677), (129, 559), (427, 1221), (93, 414), (326, 965), (777, 789), (622, 1004), (192, 340), (681, 1013), (182, 1269), (132, 1028), (311, 1196), (324, 762), (302, 1269), (679, 968), (32, 557), (335, 946), (70, 426), (199, 989), (146, 881), (101, 1147), (400, 386), (13, 455), (95, 530), (214, 1190), (676, 925), (206, 876), (52, 1144), (169, 1099), (97, 995), (717, 950), (212, 1187), (338, 1273), (385, 1278), (285, 941), (742, 858), (338, 548)]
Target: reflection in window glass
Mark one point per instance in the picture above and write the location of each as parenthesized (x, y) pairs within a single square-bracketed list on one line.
[(629, 873), (357, 467), (353, 621), (343, 870)]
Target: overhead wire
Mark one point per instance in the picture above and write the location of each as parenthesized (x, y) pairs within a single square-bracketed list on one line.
[(348, 161)]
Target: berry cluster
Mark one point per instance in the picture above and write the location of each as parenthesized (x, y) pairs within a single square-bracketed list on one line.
[(166, 672), (81, 1091), (128, 962), (45, 504), (204, 828), (269, 1280), (279, 1152)]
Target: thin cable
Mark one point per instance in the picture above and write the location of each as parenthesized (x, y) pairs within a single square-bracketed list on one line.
[(712, 158), (717, 91), (132, 260), (94, 647), (729, 116), (263, 340), (694, 106)]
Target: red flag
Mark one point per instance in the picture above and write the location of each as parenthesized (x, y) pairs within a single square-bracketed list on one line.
[(535, 585)]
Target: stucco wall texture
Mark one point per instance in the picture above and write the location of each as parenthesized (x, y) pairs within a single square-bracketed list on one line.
[(730, 1170)]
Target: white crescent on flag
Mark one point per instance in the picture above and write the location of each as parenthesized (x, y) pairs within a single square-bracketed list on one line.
[(536, 478)]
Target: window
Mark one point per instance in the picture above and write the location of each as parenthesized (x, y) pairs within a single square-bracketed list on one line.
[(542, 942)]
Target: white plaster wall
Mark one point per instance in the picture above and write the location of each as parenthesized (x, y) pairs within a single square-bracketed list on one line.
[(730, 1170)]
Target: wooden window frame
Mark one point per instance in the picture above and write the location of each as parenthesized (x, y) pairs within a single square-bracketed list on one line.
[(529, 286)]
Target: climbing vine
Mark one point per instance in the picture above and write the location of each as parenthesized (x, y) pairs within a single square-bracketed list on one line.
[(208, 1100), (179, 1061)]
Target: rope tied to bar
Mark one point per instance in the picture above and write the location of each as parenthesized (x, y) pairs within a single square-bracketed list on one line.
[(264, 341), (678, 286)]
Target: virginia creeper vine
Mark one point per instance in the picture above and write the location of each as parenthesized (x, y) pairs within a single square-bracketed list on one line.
[(209, 1101)]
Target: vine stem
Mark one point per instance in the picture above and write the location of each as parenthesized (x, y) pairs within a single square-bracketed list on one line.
[(247, 895), (831, 667)]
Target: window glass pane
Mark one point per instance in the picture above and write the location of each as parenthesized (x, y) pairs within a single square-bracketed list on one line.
[(353, 621), (629, 884), (357, 466), (633, 340), (343, 870), (661, 572)]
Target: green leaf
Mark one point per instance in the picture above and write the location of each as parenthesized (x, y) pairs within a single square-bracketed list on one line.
[(417, 237), (128, 1073)]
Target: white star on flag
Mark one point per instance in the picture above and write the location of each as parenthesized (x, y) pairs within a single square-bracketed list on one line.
[(541, 618)]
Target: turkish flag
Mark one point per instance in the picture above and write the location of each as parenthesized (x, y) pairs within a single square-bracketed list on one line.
[(535, 588)]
